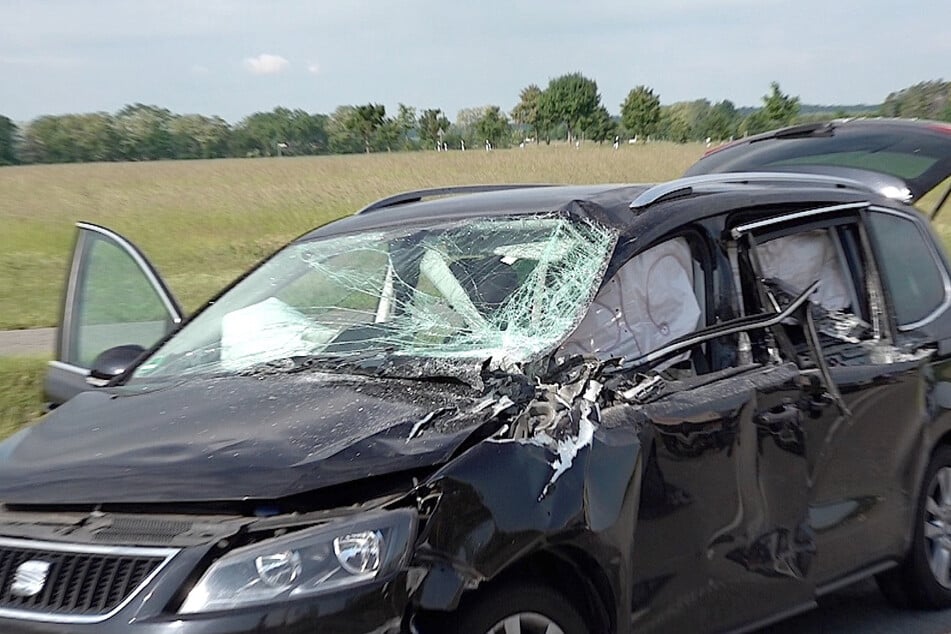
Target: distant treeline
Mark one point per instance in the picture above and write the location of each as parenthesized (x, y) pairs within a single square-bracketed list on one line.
[(569, 108)]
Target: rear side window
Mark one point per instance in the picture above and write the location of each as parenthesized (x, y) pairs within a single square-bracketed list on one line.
[(911, 270)]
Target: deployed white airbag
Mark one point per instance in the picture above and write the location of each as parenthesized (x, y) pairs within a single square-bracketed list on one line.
[(801, 259), (267, 331), (647, 304)]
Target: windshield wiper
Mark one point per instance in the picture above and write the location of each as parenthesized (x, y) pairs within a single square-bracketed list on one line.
[(381, 363)]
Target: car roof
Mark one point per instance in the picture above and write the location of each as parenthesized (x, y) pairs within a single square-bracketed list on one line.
[(610, 204), (886, 153), (504, 201)]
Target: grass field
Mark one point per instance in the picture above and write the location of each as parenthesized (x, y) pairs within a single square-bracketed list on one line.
[(204, 222), (21, 383)]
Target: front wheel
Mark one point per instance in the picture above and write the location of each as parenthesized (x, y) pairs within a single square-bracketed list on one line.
[(923, 580), (512, 608)]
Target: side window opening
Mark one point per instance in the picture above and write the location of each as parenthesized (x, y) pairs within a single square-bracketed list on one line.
[(847, 306), (792, 262)]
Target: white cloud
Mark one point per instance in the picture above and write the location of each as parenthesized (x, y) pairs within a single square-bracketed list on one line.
[(198, 69), (313, 68), (266, 64)]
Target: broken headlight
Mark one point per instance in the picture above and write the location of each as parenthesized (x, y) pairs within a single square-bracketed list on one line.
[(306, 562)]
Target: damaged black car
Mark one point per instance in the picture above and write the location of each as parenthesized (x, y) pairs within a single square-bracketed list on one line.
[(694, 406)]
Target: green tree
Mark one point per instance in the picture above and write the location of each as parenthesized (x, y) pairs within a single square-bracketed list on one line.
[(433, 125), (674, 123), (279, 132), (342, 139), (143, 132), (924, 100), (778, 107), (47, 139), (8, 141), (570, 99), (687, 121), (527, 113), (640, 112), (493, 126), (465, 125), (93, 136), (602, 127), (721, 122), (396, 133), (365, 121), (405, 125), (197, 136)]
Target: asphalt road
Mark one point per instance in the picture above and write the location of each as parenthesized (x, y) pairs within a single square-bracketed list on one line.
[(859, 609), (27, 343)]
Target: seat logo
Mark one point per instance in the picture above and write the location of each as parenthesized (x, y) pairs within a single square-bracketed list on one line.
[(29, 578)]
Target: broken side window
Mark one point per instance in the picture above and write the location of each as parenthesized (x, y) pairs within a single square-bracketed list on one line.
[(847, 303)]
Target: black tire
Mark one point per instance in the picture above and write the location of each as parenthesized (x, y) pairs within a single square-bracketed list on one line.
[(485, 612), (915, 584)]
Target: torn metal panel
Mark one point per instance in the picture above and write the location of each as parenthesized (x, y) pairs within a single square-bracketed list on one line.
[(594, 502)]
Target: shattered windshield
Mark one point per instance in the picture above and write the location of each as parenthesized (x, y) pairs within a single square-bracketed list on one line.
[(501, 288)]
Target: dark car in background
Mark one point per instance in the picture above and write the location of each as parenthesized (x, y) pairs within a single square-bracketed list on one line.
[(694, 406)]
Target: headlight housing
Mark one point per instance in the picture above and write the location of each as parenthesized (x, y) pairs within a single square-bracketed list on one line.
[(306, 562)]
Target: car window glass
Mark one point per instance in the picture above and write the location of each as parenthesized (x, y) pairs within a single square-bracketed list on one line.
[(117, 304), (909, 267), (900, 164)]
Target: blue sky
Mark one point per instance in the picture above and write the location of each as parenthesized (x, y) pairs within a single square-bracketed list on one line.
[(235, 57)]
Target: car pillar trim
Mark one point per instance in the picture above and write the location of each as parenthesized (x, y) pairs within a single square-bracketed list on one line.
[(739, 230)]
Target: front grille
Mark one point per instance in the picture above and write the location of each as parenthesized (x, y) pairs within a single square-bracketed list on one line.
[(82, 582)]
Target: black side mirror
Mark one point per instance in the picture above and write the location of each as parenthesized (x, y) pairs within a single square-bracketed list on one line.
[(113, 362)]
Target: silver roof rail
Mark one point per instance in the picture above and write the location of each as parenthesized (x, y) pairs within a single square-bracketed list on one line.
[(454, 190), (685, 186)]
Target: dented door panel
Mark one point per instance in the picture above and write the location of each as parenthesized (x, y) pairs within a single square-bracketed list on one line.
[(867, 466), (723, 525), (870, 424)]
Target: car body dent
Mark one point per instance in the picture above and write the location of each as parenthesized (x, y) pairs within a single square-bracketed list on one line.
[(629, 480)]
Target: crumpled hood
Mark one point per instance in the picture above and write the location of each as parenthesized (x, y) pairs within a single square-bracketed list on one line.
[(231, 439)]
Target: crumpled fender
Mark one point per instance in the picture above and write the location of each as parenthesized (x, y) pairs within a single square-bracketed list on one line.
[(495, 506)]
